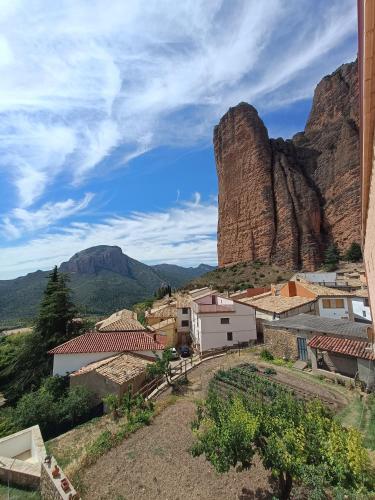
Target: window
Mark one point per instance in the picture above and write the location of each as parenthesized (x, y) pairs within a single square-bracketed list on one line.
[(224, 321), (213, 298), (326, 304), (185, 322), (185, 310), (364, 314), (229, 336), (340, 304), (365, 302)]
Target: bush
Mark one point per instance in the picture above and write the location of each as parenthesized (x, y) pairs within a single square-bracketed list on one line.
[(331, 258), (252, 368), (354, 253), (270, 371), (266, 355)]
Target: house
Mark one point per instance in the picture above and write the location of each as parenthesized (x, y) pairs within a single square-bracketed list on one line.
[(349, 278), (113, 375), (330, 302), (250, 292), (95, 346), (361, 307), (218, 321), (271, 307), (348, 358), (183, 321), (160, 313), (288, 338), (120, 321), (323, 279), (168, 328)]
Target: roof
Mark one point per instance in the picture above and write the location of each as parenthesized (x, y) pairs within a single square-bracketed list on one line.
[(183, 301), (120, 321), (347, 347), (276, 303), (118, 369), (361, 293), (324, 291), (311, 323), (162, 324), (165, 311), (109, 342), (318, 277)]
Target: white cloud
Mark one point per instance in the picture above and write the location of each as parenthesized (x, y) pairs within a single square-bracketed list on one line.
[(81, 77), (184, 234), (22, 221)]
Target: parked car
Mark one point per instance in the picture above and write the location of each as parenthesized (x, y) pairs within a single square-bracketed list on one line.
[(185, 351), (174, 353)]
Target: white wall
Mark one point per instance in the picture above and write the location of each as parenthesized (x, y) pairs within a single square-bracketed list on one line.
[(16, 444), (360, 310), (183, 317), (67, 363), (337, 313), (209, 333)]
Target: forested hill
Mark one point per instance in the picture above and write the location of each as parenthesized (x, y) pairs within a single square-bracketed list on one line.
[(102, 278)]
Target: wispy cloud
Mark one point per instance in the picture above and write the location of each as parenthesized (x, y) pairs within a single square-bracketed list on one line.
[(80, 78), (22, 221), (185, 234)]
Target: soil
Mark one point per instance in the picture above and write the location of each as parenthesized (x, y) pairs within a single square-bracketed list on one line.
[(155, 462)]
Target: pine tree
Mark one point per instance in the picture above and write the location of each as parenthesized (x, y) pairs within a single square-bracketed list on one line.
[(331, 258), (354, 253), (53, 327)]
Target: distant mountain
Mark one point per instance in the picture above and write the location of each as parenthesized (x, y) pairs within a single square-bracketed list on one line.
[(102, 278)]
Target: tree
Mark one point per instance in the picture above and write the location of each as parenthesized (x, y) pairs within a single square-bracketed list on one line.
[(293, 439), (53, 326), (354, 253), (331, 257), (161, 366)]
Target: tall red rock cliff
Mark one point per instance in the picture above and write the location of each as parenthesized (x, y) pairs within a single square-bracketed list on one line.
[(284, 201)]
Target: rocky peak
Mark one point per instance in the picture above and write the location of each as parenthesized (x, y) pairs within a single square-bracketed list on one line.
[(282, 200), (98, 258)]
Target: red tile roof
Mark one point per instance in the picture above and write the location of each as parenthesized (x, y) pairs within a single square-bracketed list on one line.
[(347, 347), (110, 342)]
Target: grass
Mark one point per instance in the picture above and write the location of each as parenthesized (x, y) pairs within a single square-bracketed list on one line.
[(18, 493), (360, 413)]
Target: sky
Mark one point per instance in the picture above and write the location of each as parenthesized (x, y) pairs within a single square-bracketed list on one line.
[(107, 112)]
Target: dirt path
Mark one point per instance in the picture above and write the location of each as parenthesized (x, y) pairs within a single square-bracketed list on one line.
[(155, 462)]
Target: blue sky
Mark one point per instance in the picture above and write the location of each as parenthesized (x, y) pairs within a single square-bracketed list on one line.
[(107, 112)]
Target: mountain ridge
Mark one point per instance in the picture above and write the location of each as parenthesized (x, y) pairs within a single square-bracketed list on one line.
[(102, 279)]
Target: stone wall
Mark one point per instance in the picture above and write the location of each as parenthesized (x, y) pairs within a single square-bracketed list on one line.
[(281, 343), (51, 488)]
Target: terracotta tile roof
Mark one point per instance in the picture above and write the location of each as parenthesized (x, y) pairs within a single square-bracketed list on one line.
[(276, 304), (183, 301), (347, 347), (361, 293), (120, 321), (110, 342), (121, 325), (118, 369)]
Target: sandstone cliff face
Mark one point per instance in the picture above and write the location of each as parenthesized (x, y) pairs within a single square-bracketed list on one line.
[(283, 201)]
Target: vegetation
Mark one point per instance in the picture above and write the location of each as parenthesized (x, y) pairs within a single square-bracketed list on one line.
[(141, 307), (331, 258), (266, 355), (241, 276), (361, 415), (162, 366), (354, 253), (163, 291), (26, 362), (298, 441), (54, 407)]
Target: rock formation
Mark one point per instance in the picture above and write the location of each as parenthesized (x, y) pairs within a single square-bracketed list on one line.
[(283, 201)]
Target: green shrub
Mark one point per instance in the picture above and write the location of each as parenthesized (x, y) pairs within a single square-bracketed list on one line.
[(279, 362), (270, 371), (266, 355), (354, 253)]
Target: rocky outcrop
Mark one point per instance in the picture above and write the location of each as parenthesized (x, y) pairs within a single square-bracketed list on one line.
[(280, 200)]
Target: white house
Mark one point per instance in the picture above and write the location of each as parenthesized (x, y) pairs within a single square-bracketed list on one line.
[(361, 307), (94, 346), (218, 321)]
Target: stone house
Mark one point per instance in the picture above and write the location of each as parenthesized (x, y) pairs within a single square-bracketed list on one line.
[(288, 338), (113, 375), (346, 358), (168, 328), (120, 321)]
